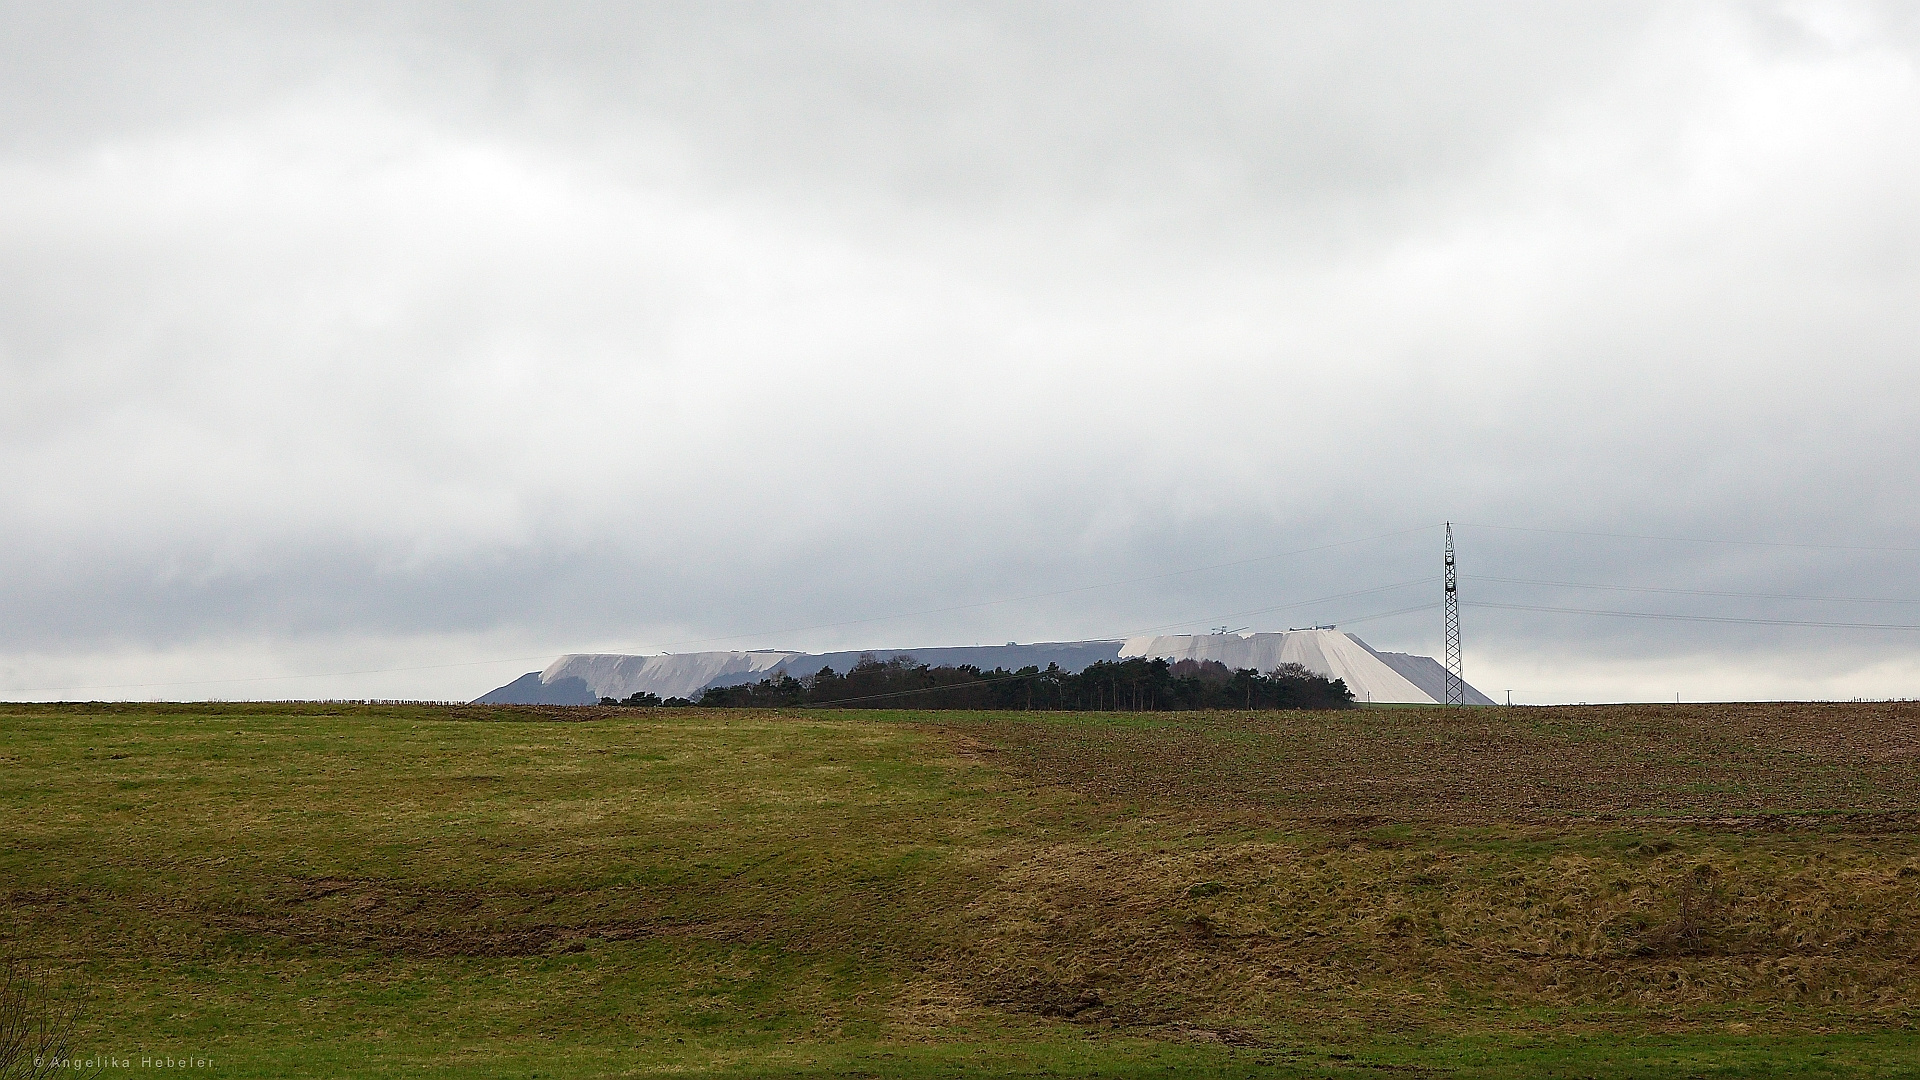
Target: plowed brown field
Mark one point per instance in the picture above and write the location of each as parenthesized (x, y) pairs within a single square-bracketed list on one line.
[(329, 890)]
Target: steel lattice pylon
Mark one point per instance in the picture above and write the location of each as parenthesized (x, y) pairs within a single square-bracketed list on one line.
[(1456, 682)]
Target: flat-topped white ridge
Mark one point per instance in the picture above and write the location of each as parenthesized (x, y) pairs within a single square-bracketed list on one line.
[(1330, 653), (618, 675)]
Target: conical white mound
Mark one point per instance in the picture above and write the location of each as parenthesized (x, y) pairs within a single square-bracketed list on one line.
[(1328, 653)]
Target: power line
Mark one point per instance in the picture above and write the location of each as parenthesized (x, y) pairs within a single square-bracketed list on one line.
[(1697, 618), (1388, 614), (1700, 592), (1689, 539)]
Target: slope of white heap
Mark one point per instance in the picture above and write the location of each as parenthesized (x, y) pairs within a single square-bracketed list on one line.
[(1370, 674), (617, 675), (1328, 653)]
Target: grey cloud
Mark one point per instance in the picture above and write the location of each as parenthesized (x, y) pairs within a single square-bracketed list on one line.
[(612, 326)]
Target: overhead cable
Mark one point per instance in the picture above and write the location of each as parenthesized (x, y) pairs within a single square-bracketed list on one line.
[(1694, 618), (1688, 539), (1701, 592)]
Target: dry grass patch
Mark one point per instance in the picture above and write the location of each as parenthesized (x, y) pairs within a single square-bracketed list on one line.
[(1249, 932), (1229, 869)]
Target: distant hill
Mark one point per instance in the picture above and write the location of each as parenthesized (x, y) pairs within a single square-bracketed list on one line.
[(585, 678)]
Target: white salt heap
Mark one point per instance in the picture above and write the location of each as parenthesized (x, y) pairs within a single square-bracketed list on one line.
[(618, 675), (1328, 653), (1371, 675)]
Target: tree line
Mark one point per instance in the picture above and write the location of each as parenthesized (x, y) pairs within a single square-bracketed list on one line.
[(1135, 685)]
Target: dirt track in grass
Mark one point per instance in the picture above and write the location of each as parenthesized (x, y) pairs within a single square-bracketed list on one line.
[(720, 891)]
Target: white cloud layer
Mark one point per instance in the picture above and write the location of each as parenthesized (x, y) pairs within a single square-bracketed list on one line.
[(340, 339)]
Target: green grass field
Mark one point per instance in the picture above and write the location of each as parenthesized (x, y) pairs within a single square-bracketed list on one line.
[(345, 890)]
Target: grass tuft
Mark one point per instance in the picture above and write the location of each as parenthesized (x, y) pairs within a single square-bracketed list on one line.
[(306, 889)]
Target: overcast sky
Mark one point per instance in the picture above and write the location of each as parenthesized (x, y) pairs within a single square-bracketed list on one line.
[(343, 338)]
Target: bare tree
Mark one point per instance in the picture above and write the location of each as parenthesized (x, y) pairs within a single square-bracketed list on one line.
[(36, 1028)]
